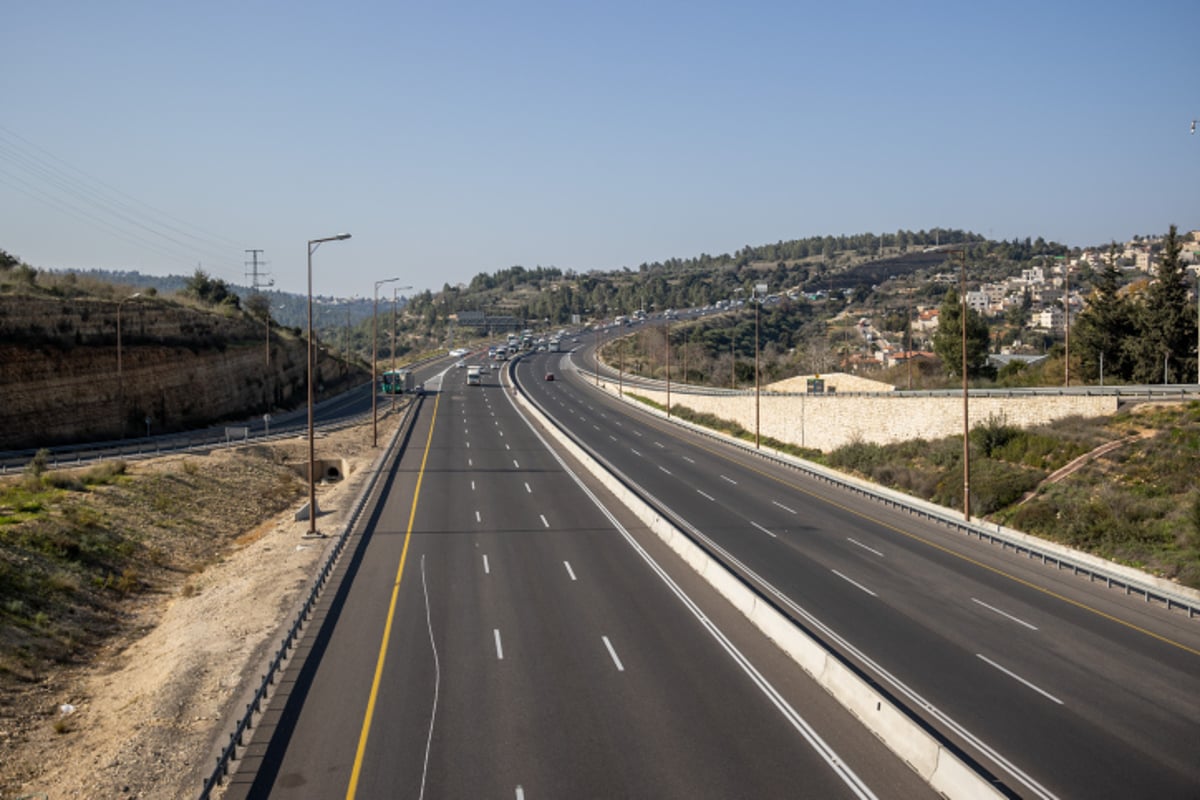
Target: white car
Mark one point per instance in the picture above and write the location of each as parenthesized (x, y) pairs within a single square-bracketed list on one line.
[(458, 351), (460, 363)]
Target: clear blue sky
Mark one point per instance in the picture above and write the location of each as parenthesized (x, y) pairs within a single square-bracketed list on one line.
[(455, 138)]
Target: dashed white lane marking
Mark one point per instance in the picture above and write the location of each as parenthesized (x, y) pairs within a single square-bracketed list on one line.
[(478, 518), (544, 523), (764, 530), (570, 571), (1017, 677), (613, 653), (853, 582), (1004, 614), (499, 647), (864, 547), (727, 478), (486, 569), (706, 495), (527, 489), (785, 508)]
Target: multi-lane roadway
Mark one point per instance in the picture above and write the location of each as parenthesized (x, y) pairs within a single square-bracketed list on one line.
[(502, 630), (1061, 688)]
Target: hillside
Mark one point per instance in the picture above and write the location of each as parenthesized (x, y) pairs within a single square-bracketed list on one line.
[(181, 366)]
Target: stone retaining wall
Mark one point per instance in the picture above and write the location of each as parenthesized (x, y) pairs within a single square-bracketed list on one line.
[(826, 422)]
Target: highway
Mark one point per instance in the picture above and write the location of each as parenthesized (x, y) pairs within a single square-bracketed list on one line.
[(1061, 688), (497, 633)]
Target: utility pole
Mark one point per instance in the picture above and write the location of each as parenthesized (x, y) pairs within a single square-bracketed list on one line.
[(253, 274)]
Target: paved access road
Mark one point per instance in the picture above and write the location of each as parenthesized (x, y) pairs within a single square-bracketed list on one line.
[(1060, 687), (495, 634)]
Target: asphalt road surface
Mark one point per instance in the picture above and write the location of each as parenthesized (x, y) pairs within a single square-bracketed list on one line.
[(495, 633), (1060, 687)]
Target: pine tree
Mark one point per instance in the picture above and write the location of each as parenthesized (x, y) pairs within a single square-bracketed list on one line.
[(1165, 344), (947, 340), (1106, 326)]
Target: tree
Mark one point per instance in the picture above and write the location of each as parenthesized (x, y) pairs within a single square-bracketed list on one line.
[(211, 291), (259, 306), (947, 340), (1107, 326), (1166, 326)]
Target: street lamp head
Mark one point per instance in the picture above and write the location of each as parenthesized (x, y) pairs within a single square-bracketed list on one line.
[(336, 238)]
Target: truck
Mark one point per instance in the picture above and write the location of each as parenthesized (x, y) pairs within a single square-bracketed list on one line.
[(474, 377), (553, 346)]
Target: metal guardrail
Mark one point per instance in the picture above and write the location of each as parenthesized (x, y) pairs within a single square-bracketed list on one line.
[(275, 665), (1049, 553)]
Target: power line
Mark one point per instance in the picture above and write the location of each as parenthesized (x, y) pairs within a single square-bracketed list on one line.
[(105, 199)]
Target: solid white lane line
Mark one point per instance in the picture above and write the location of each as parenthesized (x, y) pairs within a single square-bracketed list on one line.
[(543, 516), (664, 469), (499, 647), (613, 653), (515, 464), (570, 571), (785, 508), (727, 478), (764, 530), (487, 570), (1017, 677), (1004, 614), (854, 583), (706, 494), (864, 547), (437, 679), (527, 489), (477, 517), (689, 460)]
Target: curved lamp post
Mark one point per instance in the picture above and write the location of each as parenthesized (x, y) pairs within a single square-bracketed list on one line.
[(313, 244)]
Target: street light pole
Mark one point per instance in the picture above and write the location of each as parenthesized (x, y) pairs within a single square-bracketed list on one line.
[(120, 376), (667, 333), (966, 414), (374, 360), (313, 244), (760, 287)]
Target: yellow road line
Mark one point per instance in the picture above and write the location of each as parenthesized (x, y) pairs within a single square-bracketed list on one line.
[(935, 545), (352, 789)]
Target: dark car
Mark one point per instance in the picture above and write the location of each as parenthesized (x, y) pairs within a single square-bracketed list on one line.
[(549, 376)]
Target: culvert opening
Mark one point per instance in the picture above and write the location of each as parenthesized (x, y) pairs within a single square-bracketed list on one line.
[(332, 472)]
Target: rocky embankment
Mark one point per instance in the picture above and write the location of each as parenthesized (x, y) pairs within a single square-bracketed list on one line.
[(181, 367)]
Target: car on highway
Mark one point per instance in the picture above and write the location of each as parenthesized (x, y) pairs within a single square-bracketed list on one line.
[(460, 363), (549, 376), (458, 351)]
